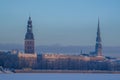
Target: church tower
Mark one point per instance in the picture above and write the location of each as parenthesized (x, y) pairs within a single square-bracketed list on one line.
[(98, 46), (28, 59), (29, 39)]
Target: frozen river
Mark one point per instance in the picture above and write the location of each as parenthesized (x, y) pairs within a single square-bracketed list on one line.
[(59, 76)]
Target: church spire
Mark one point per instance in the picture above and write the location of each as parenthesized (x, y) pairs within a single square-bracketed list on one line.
[(98, 47), (29, 25), (98, 39), (29, 18)]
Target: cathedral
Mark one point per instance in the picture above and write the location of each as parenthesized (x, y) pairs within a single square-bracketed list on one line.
[(29, 39), (29, 57)]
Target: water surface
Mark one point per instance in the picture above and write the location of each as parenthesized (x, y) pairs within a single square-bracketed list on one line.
[(59, 76)]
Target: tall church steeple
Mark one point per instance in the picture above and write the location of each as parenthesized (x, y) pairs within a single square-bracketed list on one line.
[(98, 47), (29, 38)]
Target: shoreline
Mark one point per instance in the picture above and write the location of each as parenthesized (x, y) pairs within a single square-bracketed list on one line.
[(65, 71)]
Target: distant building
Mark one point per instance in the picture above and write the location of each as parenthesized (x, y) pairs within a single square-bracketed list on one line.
[(52, 61), (29, 39), (27, 60), (29, 57), (98, 46)]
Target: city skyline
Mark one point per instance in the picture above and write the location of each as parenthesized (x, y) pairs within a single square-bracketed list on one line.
[(61, 22)]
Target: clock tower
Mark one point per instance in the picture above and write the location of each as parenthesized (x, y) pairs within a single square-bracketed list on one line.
[(29, 39)]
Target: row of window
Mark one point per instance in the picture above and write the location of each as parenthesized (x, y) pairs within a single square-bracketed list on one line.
[(29, 47), (29, 42)]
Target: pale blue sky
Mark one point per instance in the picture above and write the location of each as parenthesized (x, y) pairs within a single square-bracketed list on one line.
[(64, 22)]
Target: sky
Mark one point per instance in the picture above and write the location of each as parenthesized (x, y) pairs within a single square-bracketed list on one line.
[(60, 22)]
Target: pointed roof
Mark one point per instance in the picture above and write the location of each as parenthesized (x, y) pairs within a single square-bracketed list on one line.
[(98, 29), (29, 20), (98, 39)]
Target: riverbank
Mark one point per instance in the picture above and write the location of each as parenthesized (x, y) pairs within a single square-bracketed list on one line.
[(6, 72), (65, 71)]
